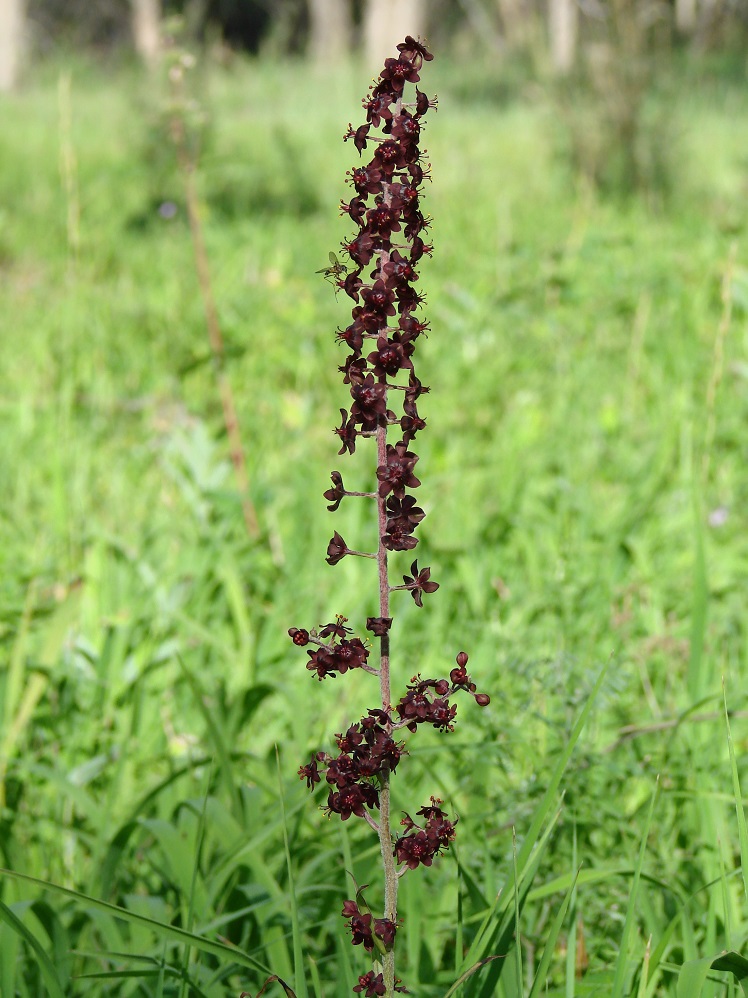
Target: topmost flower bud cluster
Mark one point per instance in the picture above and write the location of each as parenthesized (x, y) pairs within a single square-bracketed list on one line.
[(386, 210)]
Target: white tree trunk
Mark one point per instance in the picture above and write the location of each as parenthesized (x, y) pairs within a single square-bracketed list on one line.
[(12, 21), (562, 27), (387, 22), (685, 16), (146, 30), (514, 20), (330, 29)]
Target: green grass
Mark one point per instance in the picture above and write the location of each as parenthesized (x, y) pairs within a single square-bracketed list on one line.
[(146, 676)]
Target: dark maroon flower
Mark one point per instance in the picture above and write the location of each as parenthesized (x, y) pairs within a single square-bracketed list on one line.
[(336, 494), (414, 707), (389, 156), (389, 357), (370, 985), (336, 629), (369, 402), (377, 106), (299, 636), (399, 71), (418, 173), (404, 197), (361, 249), (423, 103), (382, 220), (336, 549), (415, 388), (408, 298), (353, 337), (360, 926), (350, 800), (356, 208), (351, 654), (310, 773), (397, 474), (411, 422), (419, 583), (379, 298), (459, 676), (379, 626), (398, 269), (414, 49), (350, 741), (367, 179), (322, 661), (442, 714), (342, 772), (397, 539), (358, 135), (404, 512), (352, 283), (347, 432), (405, 127), (385, 928), (432, 811), (353, 370), (416, 849)]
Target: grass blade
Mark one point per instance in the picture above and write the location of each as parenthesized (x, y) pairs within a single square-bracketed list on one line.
[(298, 949), (739, 809), (628, 925), (47, 968), (488, 931), (550, 943), (172, 932)]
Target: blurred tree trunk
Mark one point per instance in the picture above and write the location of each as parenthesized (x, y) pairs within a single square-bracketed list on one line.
[(562, 28), (12, 20), (515, 22), (329, 29), (685, 16), (387, 22), (146, 21)]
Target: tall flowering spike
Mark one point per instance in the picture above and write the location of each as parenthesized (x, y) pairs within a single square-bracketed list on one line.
[(379, 277)]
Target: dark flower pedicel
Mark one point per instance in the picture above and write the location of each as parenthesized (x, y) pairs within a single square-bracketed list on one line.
[(379, 371)]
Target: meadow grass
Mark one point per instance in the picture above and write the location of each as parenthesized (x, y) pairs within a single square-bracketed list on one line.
[(586, 497)]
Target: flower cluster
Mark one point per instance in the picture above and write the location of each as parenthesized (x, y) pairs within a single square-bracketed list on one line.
[(364, 928), (372, 984), (379, 368), (368, 753), (422, 843), (386, 210)]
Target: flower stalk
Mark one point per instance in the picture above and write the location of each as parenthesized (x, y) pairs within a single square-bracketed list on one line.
[(379, 372)]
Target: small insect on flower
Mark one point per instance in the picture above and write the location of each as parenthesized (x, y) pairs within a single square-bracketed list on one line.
[(334, 272)]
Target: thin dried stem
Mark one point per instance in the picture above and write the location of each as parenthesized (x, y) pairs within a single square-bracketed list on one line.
[(187, 167)]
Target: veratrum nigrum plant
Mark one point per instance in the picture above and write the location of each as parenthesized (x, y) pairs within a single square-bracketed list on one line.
[(381, 338)]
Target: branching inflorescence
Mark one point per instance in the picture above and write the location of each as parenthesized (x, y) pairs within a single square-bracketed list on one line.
[(381, 338)]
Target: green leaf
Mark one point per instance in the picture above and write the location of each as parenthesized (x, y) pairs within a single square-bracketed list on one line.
[(694, 974), (469, 973), (171, 932), (623, 950), (550, 944), (48, 970)]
